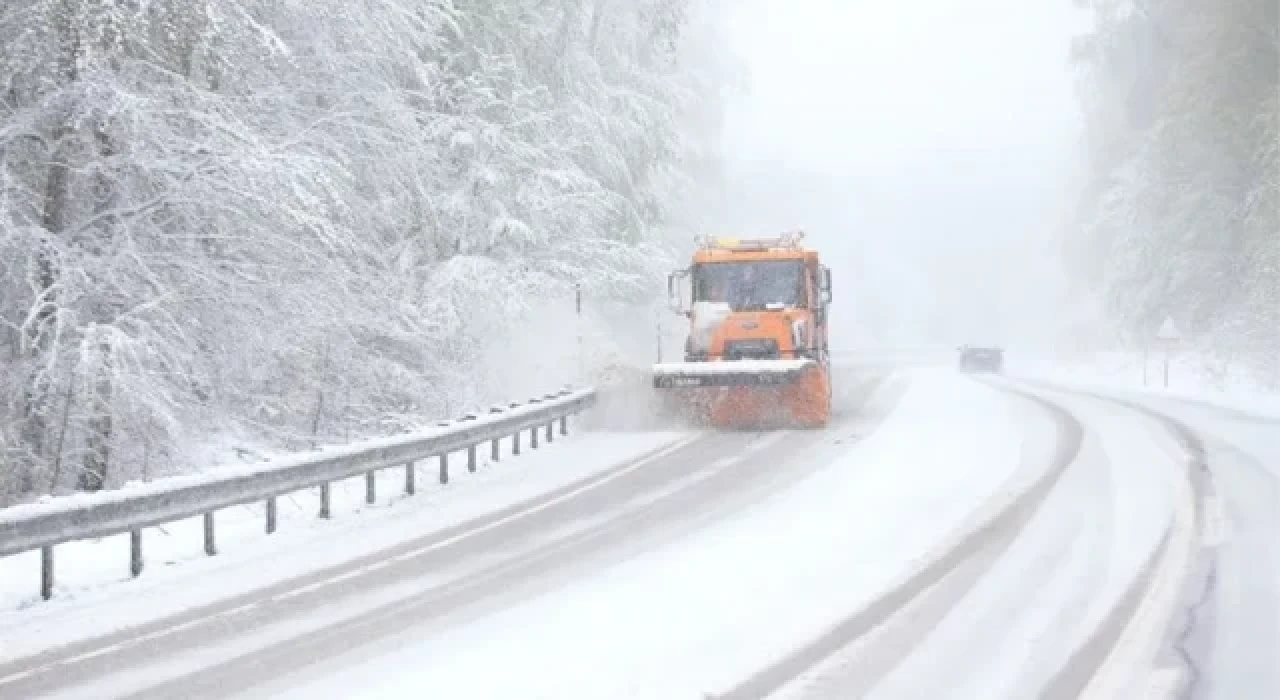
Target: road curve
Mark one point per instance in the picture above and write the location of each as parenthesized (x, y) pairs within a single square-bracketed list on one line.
[(1016, 570), (237, 644), (952, 630), (1224, 642), (926, 596)]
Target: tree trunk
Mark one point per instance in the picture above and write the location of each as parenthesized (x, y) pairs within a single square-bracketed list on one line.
[(37, 399), (98, 455), (101, 391)]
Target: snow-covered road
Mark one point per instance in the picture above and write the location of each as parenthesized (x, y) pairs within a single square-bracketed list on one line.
[(946, 538), (464, 570), (1227, 637), (700, 614), (1027, 613)]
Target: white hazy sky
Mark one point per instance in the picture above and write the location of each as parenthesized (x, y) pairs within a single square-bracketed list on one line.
[(926, 146)]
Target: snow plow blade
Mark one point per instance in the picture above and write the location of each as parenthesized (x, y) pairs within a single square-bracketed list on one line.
[(693, 375)]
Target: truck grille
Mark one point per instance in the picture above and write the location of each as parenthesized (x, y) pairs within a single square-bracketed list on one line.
[(753, 349)]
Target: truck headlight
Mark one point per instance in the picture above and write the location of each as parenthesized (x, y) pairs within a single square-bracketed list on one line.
[(799, 334), (707, 317)]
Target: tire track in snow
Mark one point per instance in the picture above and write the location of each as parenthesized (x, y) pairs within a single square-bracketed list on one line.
[(1082, 670), (622, 509), (925, 599), (986, 543), (1224, 642)]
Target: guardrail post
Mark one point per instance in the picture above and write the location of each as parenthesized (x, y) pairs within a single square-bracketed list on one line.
[(135, 553), (495, 453), (324, 500), (271, 515), (46, 572), (515, 443), (410, 478), (370, 487), (444, 468), (551, 431), (471, 459), (564, 425), (210, 544), (533, 437)]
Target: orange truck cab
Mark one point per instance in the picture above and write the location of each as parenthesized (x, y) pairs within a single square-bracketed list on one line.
[(757, 348)]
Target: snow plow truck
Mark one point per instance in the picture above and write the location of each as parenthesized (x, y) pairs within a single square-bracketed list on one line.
[(757, 353)]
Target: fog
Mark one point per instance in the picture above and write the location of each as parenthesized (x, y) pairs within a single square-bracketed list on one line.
[(432, 210), (929, 150)]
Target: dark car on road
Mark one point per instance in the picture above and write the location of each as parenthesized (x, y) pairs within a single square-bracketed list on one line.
[(981, 359)]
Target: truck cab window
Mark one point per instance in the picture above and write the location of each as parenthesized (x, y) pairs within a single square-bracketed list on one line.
[(752, 286)]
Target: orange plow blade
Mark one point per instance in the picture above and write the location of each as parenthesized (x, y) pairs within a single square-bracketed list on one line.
[(751, 394)]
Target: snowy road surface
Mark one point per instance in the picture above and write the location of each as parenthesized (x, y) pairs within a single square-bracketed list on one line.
[(1230, 632), (945, 538), (640, 504)]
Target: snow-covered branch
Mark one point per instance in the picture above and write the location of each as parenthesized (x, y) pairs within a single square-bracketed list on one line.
[(285, 220)]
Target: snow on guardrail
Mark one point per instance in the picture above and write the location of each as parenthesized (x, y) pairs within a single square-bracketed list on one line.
[(44, 524)]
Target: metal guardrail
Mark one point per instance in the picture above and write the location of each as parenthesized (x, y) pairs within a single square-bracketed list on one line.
[(43, 525)]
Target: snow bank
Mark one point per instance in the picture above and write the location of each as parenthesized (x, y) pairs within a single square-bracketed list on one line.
[(64, 504), (95, 595), (1190, 378)]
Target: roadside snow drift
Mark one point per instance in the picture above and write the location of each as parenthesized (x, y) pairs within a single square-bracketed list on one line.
[(95, 594)]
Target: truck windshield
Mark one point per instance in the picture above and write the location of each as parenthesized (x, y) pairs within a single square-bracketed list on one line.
[(751, 286)]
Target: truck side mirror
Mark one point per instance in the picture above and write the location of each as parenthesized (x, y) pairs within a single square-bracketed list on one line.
[(826, 285), (674, 299)]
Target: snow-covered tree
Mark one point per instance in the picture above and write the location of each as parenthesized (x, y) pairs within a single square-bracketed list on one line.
[(295, 220), (1183, 103)]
